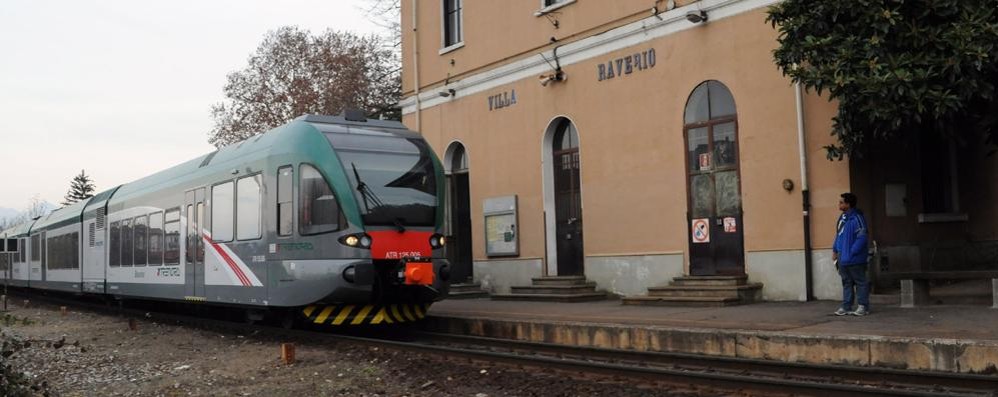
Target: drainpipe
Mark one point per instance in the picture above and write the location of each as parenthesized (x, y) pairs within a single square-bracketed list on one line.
[(415, 65), (805, 194)]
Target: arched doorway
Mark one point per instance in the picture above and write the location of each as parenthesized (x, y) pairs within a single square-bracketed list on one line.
[(563, 198), (713, 182), (458, 213)]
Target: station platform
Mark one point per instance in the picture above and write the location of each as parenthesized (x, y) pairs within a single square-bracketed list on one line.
[(952, 338)]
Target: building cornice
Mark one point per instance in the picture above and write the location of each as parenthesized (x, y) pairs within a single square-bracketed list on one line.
[(629, 35)]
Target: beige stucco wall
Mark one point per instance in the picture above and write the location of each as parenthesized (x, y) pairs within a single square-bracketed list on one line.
[(632, 148)]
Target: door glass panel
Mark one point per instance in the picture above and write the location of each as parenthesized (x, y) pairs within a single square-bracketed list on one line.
[(696, 144), (703, 196), (728, 200), (725, 145), (721, 102), (697, 108)]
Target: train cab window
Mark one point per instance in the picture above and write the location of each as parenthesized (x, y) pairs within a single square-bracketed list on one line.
[(114, 249), (249, 206), (221, 212), (36, 248), (156, 239), (141, 237), (318, 212), (126, 242), (285, 214)]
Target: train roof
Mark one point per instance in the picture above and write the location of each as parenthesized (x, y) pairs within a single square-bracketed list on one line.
[(61, 217), (288, 138), (20, 230)]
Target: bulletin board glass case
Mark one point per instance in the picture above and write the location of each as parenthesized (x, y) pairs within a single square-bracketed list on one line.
[(501, 234)]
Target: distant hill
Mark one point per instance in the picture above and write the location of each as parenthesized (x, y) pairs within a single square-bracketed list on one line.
[(10, 213)]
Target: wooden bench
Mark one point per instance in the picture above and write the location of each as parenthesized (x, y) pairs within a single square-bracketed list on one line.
[(915, 285)]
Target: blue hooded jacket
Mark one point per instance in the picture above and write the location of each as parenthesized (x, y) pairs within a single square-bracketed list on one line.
[(850, 239)]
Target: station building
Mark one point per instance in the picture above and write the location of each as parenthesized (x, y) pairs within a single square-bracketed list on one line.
[(635, 141)]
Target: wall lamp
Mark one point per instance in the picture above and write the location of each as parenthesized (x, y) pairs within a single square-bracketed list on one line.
[(696, 16), (448, 92)]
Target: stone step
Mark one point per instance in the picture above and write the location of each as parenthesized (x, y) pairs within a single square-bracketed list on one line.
[(559, 280), (747, 291), (587, 297), (709, 301), (555, 289), (710, 280)]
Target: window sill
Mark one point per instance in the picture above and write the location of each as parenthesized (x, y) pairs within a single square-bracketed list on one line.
[(942, 218), (552, 7), (451, 47)]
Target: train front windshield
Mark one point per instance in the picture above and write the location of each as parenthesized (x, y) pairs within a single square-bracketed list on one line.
[(393, 177)]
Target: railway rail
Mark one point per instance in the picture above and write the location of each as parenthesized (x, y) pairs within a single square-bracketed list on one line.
[(721, 373)]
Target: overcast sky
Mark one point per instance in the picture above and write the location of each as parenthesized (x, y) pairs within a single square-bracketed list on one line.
[(124, 88)]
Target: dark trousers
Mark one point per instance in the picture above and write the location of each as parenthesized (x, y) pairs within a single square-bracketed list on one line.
[(854, 277)]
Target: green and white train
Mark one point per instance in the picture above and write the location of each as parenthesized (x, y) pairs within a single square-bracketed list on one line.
[(336, 219)]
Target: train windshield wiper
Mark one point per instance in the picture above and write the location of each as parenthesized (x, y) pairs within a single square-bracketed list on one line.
[(371, 198)]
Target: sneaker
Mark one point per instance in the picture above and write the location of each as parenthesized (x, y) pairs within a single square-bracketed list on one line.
[(841, 312), (860, 311)]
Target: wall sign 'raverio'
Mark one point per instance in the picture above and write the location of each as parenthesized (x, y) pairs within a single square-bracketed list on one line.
[(626, 65), (504, 100)]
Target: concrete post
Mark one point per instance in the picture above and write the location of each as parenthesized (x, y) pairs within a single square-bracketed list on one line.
[(994, 293), (914, 292)]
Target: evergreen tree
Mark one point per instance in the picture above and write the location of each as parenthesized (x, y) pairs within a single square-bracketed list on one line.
[(81, 188)]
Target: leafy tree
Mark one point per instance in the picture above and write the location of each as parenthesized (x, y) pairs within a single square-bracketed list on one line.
[(897, 68), (294, 72), (81, 188)]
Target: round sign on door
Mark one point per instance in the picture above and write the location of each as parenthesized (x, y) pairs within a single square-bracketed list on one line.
[(701, 231)]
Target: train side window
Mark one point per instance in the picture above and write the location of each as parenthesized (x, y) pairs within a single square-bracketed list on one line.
[(73, 251), (191, 234), (114, 249), (248, 207), (285, 212), (24, 244), (221, 212), (318, 212), (171, 229), (141, 233), (36, 248), (126, 242), (155, 239), (43, 249)]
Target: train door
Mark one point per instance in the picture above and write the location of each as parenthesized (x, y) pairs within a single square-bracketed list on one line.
[(94, 268), (194, 269)]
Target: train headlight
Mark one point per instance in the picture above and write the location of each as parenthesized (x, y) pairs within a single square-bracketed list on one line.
[(359, 240), (437, 241)]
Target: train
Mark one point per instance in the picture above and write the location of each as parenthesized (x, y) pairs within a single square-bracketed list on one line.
[(333, 220)]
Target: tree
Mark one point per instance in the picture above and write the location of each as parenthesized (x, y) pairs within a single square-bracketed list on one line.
[(81, 188), (294, 72), (897, 68)]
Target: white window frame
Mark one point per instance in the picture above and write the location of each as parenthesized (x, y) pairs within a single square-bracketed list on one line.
[(546, 9), (444, 48)]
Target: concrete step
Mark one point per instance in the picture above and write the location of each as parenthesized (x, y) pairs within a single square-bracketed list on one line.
[(555, 289), (747, 291), (587, 297), (468, 294), (710, 301), (709, 280), (559, 280), (465, 287)]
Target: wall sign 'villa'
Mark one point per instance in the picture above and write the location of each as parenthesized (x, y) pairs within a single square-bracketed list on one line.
[(626, 65), (499, 101)]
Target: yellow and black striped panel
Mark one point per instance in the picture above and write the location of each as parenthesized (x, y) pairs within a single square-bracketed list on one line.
[(366, 314)]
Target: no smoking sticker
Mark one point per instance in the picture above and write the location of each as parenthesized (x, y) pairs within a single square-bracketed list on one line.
[(701, 231)]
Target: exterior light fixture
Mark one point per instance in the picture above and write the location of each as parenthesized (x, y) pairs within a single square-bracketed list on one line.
[(696, 16), (447, 93)]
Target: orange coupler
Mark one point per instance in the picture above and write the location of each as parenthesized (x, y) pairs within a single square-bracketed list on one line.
[(419, 273)]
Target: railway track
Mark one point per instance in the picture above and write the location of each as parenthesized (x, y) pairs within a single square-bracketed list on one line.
[(722, 373)]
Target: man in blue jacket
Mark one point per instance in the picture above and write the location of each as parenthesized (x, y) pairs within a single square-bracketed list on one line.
[(849, 254)]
